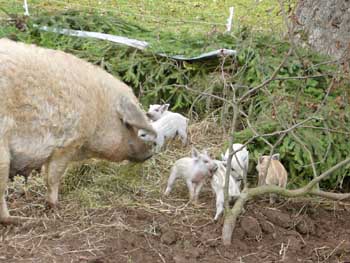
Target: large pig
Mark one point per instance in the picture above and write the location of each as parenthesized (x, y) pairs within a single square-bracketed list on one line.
[(56, 108)]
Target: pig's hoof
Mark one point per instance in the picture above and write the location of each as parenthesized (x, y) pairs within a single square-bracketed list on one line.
[(52, 206), (14, 220)]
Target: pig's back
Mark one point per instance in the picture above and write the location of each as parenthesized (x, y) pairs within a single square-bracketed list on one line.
[(49, 99)]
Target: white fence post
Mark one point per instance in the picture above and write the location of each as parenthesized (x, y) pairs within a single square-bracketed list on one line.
[(25, 6), (230, 20)]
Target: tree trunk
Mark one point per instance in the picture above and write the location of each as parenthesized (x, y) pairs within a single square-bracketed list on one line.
[(325, 25)]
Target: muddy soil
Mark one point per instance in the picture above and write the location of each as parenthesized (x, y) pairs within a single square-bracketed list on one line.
[(169, 231)]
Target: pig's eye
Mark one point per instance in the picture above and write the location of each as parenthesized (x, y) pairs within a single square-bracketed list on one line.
[(156, 110), (143, 135), (128, 126), (205, 161)]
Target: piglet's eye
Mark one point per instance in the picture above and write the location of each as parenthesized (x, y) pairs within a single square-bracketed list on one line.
[(205, 161), (156, 110)]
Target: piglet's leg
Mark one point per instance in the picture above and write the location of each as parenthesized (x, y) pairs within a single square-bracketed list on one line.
[(191, 189), (159, 143), (219, 203), (171, 181), (183, 135), (197, 190)]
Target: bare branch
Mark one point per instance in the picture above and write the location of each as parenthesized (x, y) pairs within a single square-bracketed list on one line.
[(307, 77), (230, 156), (252, 192), (330, 195), (266, 82), (204, 93), (326, 174), (231, 218), (325, 129), (312, 162)]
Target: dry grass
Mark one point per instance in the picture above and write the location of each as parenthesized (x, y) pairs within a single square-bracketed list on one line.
[(96, 184), (92, 195), (116, 213)]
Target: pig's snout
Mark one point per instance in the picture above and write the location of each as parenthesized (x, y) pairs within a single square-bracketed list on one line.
[(148, 156), (141, 157)]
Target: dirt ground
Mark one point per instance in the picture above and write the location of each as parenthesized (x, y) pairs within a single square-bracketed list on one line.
[(146, 228), (171, 231)]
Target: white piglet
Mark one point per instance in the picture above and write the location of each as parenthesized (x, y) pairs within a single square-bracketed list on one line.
[(156, 111), (218, 185), (194, 170), (167, 127), (240, 160)]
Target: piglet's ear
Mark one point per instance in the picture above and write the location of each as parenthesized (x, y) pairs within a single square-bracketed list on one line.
[(164, 107), (222, 157), (276, 156), (261, 159), (195, 153)]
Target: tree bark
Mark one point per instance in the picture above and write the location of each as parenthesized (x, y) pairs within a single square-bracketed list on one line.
[(326, 24)]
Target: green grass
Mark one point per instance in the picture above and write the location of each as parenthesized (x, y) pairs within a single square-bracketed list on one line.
[(156, 79), (170, 16), (171, 27)]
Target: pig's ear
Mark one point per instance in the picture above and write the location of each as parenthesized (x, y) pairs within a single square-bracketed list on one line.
[(131, 114), (261, 159), (276, 156)]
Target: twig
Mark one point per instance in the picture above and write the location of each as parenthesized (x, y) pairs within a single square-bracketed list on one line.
[(231, 218), (155, 250), (263, 84), (306, 77), (283, 250), (330, 254), (330, 195), (82, 250), (230, 156), (325, 129), (312, 162)]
